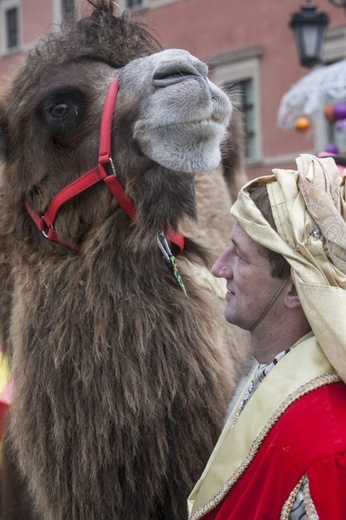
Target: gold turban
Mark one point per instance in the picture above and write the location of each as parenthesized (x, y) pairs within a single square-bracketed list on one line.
[(309, 210)]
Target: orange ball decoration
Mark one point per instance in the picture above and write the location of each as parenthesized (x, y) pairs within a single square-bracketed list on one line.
[(329, 112), (302, 124)]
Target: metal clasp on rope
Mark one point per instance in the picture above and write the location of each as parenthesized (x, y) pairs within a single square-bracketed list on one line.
[(170, 259)]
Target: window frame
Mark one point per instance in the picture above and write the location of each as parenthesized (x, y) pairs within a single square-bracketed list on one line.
[(135, 7), (74, 10), (123, 7), (242, 66), (58, 17), (146, 4)]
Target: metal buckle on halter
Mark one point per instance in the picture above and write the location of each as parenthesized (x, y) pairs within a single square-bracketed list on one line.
[(164, 246), (112, 166), (45, 232), (170, 259)]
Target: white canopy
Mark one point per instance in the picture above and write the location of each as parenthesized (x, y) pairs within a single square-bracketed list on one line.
[(313, 92)]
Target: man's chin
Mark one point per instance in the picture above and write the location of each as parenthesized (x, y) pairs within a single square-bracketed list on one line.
[(234, 320)]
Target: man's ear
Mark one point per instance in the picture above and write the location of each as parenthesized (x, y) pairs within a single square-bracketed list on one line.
[(292, 300)]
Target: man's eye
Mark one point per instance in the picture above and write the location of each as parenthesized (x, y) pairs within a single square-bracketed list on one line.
[(240, 256), (59, 110)]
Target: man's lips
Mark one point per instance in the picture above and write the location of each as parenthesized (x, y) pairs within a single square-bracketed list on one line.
[(229, 294)]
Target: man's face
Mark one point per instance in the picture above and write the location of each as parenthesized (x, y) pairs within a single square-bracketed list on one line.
[(250, 285)]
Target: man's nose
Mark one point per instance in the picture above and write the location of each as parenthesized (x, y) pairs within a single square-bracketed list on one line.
[(221, 268)]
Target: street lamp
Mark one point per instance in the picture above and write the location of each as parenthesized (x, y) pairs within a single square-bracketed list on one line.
[(309, 26)]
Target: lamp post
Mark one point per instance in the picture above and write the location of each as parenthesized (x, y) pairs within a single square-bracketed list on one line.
[(309, 26)]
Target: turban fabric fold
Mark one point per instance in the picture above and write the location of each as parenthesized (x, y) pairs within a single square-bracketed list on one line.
[(309, 210)]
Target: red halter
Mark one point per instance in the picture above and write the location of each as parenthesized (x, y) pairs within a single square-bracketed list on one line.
[(46, 222)]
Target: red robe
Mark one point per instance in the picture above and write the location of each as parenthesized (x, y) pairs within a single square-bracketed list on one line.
[(292, 432), (308, 439)]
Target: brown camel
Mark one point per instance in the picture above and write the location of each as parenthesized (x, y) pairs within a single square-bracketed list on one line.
[(121, 377)]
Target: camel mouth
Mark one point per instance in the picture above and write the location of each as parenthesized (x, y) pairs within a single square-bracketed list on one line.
[(193, 123), (194, 144)]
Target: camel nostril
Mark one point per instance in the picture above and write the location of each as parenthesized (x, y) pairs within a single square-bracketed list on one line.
[(174, 72)]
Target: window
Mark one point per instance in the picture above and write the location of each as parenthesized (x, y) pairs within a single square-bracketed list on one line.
[(130, 4), (337, 136), (11, 28), (238, 73), (126, 5), (9, 25), (136, 5), (68, 10)]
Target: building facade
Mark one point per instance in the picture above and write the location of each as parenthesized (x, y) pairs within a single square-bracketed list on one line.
[(248, 46)]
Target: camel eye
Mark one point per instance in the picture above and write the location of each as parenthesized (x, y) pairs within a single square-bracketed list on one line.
[(59, 110)]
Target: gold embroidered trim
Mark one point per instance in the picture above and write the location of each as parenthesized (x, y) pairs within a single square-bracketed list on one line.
[(326, 379), (286, 510), (311, 513)]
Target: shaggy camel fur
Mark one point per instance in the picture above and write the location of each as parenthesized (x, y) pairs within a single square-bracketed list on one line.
[(121, 381)]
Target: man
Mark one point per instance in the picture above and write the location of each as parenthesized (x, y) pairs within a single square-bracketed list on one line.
[(282, 453)]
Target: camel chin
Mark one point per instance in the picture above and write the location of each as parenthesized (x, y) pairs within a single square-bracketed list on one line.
[(196, 146)]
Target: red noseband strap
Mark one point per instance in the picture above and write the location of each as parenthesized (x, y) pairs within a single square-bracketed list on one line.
[(46, 222)]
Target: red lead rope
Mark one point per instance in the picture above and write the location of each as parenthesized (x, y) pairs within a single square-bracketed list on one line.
[(46, 222)]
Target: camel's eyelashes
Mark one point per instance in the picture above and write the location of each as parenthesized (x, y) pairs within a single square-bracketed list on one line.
[(60, 110)]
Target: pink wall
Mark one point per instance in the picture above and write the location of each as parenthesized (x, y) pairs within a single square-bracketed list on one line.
[(37, 19)]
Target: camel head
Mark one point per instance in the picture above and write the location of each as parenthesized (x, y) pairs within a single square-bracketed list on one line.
[(168, 122)]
